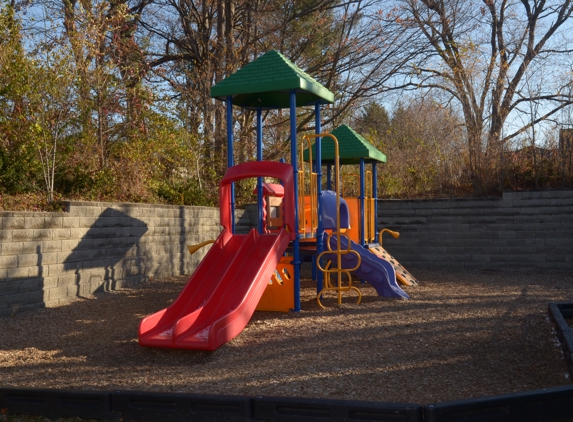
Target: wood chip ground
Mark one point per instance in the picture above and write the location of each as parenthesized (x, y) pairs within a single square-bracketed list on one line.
[(463, 334)]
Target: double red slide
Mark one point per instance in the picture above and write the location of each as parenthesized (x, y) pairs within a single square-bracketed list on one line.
[(223, 292)]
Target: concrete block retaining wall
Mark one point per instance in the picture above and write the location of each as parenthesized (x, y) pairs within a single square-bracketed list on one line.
[(525, 230), (47, 259)]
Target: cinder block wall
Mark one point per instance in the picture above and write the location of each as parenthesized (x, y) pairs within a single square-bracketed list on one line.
[(47, 259), (526, 230)]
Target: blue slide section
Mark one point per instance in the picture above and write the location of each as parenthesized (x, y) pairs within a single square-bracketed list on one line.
[(378, 272)]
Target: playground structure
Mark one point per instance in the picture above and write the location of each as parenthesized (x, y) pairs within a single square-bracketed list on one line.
[(362, 229), (233, 278)]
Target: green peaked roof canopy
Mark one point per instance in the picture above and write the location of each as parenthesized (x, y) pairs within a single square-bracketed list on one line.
[(352, 147), (267, 81)]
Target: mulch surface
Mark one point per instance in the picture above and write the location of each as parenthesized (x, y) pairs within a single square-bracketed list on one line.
[(462, 334)]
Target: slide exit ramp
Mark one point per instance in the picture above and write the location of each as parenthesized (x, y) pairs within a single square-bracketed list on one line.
[(221, 296)]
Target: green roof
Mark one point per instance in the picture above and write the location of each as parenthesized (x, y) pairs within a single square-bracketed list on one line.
[(267, 82), (352, 147)]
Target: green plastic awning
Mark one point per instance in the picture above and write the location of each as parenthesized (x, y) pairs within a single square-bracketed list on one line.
[(267, 82), (352, 148)]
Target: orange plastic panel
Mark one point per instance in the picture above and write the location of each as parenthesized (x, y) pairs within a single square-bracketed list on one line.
[(279, 294), (309, 230), (354, 211), (370, 225), (355, 226)]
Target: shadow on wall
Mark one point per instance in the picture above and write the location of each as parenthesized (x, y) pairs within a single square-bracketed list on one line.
[(108, 256), (246, 219), (23, 293), (114, 238)]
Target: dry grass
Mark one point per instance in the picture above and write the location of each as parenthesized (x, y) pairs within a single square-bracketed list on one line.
[(31, 201), (463, 334)]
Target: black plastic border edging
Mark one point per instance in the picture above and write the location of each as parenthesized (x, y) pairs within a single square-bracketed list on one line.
[(53, 403), (547, 405), (559, 311), (286, 409), (175, 407)]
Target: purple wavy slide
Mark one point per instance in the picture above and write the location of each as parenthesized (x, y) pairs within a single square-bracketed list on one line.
[(378, 272)]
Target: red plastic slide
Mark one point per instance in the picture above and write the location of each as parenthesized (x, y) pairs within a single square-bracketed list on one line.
[(222, 294)]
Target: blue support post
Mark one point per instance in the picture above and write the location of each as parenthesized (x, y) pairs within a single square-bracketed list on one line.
[(296, 242), (375, 198), (260, 179), (319, 229), (230, 160), (362, 225)]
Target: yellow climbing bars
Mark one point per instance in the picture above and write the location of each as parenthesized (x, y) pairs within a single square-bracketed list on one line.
[(338, 252), (337, 270), (308, 215)]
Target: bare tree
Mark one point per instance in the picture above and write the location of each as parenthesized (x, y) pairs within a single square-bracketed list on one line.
[(345, 44), (480, 54), (52, 114)]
